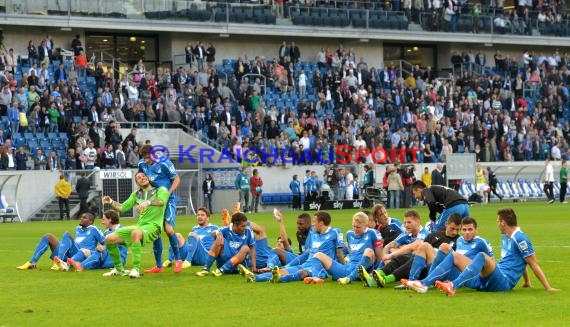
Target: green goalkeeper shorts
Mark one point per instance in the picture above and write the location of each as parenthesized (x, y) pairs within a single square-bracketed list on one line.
[(150, 233)]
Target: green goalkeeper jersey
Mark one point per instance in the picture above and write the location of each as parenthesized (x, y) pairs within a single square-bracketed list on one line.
[(152, 215)]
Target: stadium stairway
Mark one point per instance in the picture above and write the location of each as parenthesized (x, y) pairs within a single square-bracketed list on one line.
[(50, 211)]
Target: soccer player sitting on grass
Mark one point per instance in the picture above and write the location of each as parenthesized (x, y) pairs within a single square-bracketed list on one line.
[(150, 202), (364, 244), (323, 239), (282, 253), (100, 258), (440, 199), (484, 274), (442, 268), (389, 227), (233, 244), (411, 266), (200, 240), (77, 248), (403, 244)]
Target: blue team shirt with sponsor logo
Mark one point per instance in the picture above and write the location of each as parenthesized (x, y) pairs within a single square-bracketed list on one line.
[(236, 241), (358, 244), (407, 238), (474, 246), (514, 250), (205, 234), (326, 242), (160, 173), (88, 237)]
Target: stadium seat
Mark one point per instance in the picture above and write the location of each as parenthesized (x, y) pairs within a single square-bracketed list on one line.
[(505, 191)]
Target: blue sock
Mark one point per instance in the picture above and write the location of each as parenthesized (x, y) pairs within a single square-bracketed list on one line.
[(227, 266), (170, 254), (174, 246), (157, 249), (290, 277), (79, 256), (472, 271), (440, 271), (64, 245), (92, 261), (437, 260), (263, 277), (41, 248), (364, 261), (316, 267), (192, 246), (418, 264), (273, 260), (209, 262)]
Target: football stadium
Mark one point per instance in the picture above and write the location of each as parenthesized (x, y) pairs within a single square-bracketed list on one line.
[(303, 162)]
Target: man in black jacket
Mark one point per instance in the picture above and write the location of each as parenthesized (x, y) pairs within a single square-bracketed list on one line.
[(82, 189), (437, 175), (440, 199)]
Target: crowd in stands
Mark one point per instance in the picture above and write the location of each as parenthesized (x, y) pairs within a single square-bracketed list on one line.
[(512, 112)]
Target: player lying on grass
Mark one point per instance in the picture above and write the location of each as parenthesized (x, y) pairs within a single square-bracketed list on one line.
[(232, 245), (323, 239), (150, 202), (484, 274), (402, 266), (200, 241), (100, 258), (79, 247), (402, 245), (442, 268)]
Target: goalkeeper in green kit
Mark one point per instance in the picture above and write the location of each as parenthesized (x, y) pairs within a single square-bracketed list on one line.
[(150, 203)]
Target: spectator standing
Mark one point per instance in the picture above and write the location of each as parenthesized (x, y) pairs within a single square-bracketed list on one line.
[(76, 45), (81, 65), (549, 181), (427, 176), (395, 187), (242, 185), (82, 189), (208, 187), (21, 159), (211, 56), (437, 175), (295, 187), (256, 189), (62, 192)]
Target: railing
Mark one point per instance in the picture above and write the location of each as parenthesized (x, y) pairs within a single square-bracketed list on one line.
[(262, 77), (235, 13)]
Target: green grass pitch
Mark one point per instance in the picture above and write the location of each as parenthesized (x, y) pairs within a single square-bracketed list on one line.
[(52, 298)]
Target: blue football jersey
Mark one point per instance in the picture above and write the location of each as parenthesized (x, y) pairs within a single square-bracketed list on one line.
[(358, 244), (474, 246), (514, 250), (88, 237), (236, 241), (345, 249), (205, 234), (406, 238), (326, 242), (160, 173), (396, 225)]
